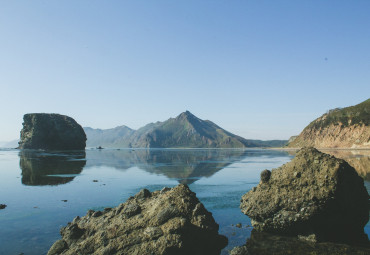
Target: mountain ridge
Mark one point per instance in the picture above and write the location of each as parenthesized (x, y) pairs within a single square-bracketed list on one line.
[(347, 127), (184, 131)]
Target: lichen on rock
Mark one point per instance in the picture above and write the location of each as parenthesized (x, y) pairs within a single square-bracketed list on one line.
[(316, 194), (170, 221)]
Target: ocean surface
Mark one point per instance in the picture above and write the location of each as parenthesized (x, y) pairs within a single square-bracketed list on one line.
[(43, 191)]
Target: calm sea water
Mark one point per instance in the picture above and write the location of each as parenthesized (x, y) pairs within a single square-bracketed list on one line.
[(45, 190)]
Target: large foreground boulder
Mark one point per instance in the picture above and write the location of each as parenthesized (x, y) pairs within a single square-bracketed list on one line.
[(50, 131), (170, 221), (314, 195)]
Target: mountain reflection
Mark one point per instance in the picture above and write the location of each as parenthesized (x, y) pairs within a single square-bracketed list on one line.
[(41, 168), (186, 166), (358, 159)]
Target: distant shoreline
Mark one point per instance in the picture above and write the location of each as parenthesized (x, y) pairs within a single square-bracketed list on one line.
[(324, 149)]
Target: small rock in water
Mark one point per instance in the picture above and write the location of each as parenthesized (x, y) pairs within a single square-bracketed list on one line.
[(64, 200), (2, 206), (239, 225), (95, 180), (265, 176)]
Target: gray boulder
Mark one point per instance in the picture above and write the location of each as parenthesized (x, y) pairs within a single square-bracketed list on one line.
[(50, 131), (170, 221), (314, 194)]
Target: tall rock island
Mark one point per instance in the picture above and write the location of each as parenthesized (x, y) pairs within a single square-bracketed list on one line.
[(50, 131)]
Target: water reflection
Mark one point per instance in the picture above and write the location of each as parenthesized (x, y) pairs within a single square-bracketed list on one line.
[(186, 166), (265, 244), (358, 159), (41, 168)]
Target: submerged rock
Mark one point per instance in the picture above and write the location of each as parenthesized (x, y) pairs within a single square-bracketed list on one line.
[(316, 194), (2, 206), (171, 221), (50, 131), (263, 243)]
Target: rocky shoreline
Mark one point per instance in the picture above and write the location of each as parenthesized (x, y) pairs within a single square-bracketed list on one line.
[(315, 204)]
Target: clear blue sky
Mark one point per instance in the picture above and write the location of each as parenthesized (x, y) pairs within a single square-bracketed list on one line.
[(260, 69)]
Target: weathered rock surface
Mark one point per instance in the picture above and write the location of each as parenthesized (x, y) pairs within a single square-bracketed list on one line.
[(170, 221), (262, 243), (50, 131), (316, 194)]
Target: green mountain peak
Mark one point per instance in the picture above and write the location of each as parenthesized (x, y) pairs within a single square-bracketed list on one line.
[(184, 131)]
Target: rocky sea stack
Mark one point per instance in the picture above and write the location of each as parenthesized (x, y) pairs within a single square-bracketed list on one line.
[(50, 131), (315, 195), (170, 221)]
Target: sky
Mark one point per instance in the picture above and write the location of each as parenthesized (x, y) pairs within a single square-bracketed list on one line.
[(259, 69)]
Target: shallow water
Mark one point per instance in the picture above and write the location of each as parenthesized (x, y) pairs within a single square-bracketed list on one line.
[(43, 191)]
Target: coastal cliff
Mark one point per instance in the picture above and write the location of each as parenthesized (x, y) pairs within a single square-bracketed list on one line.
[(339, 128)]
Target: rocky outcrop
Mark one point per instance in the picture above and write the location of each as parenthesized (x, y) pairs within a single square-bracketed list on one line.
[(170, 221), (50, 131), (339, 128), (314, 194)]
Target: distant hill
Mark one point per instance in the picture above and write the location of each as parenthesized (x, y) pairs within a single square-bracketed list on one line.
[(10, 144), (107, 137), (184, 131), (338, 128)]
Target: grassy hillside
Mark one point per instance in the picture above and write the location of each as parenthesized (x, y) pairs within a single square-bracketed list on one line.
[(347, 127), (358, 114)]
